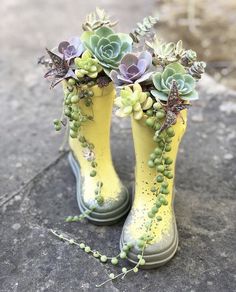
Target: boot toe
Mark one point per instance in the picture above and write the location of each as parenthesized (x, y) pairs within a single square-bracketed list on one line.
[(162, 248), (113, 208)]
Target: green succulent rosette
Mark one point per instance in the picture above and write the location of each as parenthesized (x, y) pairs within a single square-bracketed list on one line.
[(107, 46), (163, 82), (87, 66), (133, 102)]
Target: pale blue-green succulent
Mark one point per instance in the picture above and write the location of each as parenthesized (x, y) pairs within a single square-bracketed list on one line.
[(107, 46), (163, 82)]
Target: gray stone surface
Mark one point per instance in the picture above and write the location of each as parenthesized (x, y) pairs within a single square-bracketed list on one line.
[(31, 259)]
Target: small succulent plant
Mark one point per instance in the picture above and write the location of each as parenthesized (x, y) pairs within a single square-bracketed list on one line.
[(71, 49), (143, 28), (197, 69), (107, 46), (87, 66), (163, 82), (133, 102), (165, 53), (188, 58), (97, 19), (132, 69)]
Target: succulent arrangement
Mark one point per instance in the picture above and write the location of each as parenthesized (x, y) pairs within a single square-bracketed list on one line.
[(154, 83)]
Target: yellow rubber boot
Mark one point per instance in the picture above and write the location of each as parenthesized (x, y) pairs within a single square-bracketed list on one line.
[(161, 229), (98, 187)]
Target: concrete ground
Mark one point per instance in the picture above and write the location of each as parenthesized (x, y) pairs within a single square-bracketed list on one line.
[(38, 188)]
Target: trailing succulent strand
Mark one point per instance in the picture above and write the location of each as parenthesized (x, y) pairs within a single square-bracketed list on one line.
[(114, 260), (81, 217), (142, 28), (160, 160), (75, 94), (97, 19)]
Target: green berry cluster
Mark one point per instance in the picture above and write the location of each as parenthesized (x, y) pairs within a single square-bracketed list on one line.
[(57, 124), (87, 66), (74, 92), (159, 160), (81, 217), (105, 259), (98, 193), (91, 158)]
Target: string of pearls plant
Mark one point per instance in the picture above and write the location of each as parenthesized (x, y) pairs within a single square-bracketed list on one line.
[(77, 93)]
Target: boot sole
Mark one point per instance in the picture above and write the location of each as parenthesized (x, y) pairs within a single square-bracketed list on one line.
[(102, 218)]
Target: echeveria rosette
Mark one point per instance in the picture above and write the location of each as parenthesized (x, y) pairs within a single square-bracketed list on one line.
[(86, 65), (133, 101), (107, 46), (72, 48), (163, 82), (132, 69)]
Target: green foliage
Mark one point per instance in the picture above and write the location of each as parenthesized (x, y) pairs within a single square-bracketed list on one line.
[(165, 53), (163, 82), (133, 102), (143, 28), (87, 66), (97, 19), (107, 46)]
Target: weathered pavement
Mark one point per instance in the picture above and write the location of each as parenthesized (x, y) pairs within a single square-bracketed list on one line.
[(31, 259)]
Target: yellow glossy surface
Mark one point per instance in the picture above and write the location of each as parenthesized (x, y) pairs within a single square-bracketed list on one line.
[(145, 177), (97, 132)]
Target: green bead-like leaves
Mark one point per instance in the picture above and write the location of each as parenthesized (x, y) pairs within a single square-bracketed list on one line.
[(132, 102), (107, 46), (163, 82), (86, 65)]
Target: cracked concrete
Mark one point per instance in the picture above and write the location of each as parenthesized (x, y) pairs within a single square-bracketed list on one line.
[(39, 188)]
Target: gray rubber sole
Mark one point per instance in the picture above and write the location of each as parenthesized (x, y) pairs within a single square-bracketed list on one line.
[(157, 258), (98, 217)]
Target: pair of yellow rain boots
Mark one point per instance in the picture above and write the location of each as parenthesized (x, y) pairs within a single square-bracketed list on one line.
[(105, 200)]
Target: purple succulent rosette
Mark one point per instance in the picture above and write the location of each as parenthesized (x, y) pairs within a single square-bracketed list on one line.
[(71, 49), (132, 69)]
